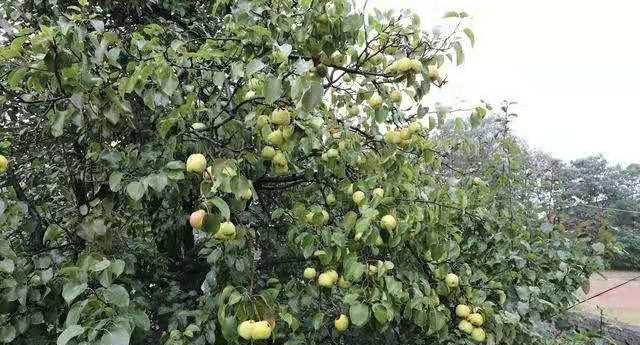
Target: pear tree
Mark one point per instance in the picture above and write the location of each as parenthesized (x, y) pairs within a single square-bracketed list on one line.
[(265, 171)]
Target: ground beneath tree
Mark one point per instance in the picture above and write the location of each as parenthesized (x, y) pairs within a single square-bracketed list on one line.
[(621, 304)]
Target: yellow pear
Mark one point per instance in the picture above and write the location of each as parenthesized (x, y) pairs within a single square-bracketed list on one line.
[(268, 152), (478, 335), (282, 170), (378, 192), (261, 330), (463, 310), (280, 117), (358, 197), (245, 329), (279, 159), (196, 163), (227, 229), (375, 101), (465, 326), (452, 280), (354, 110), (396, 96), (333, 274), (325, 280), (276, 138), (4, 164), (309, 273), (476, 319), (262, 121), (415, 65), (341, 323), (404, 64), (388, 222), (332, 153)]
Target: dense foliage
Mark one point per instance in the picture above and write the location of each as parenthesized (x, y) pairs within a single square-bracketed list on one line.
[(210, 172)]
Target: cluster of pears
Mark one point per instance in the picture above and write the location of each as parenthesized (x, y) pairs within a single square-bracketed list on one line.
[(281, 119), (226, 231), (254, 330), (326, 279), (387, 222), (197, 163), (404, 66), (471, 323), (402, 137), (4, 164)]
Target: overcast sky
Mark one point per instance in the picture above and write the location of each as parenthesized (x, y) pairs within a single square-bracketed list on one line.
[(572, 65)]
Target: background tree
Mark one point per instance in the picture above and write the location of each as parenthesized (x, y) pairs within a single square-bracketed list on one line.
[(318, 182)]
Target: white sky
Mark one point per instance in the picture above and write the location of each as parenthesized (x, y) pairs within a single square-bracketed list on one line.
[(572, 65)]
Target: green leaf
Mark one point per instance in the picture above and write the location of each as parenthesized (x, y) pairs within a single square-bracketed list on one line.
[(7, 266), (380, 312), (158, 182), (141, 319), (113, 115), (218, 79), (222, 206), (57, 126), (470, 35), (353, 269), (117, 267), (5, 249), (69, 333), (114, 181), (117, 295), (598, 247), (459, 53), (7, 333), (117, 335), (254, 66), (312, 97), (359, 314), (74, 313), (293, 323), (72, 289), (352, 23), (170, 84), (274, 90), (523, 292), (436, 321), (175, 165), (451, 14), (317, 320), (101, 265), (135, 190), (229, 328)]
